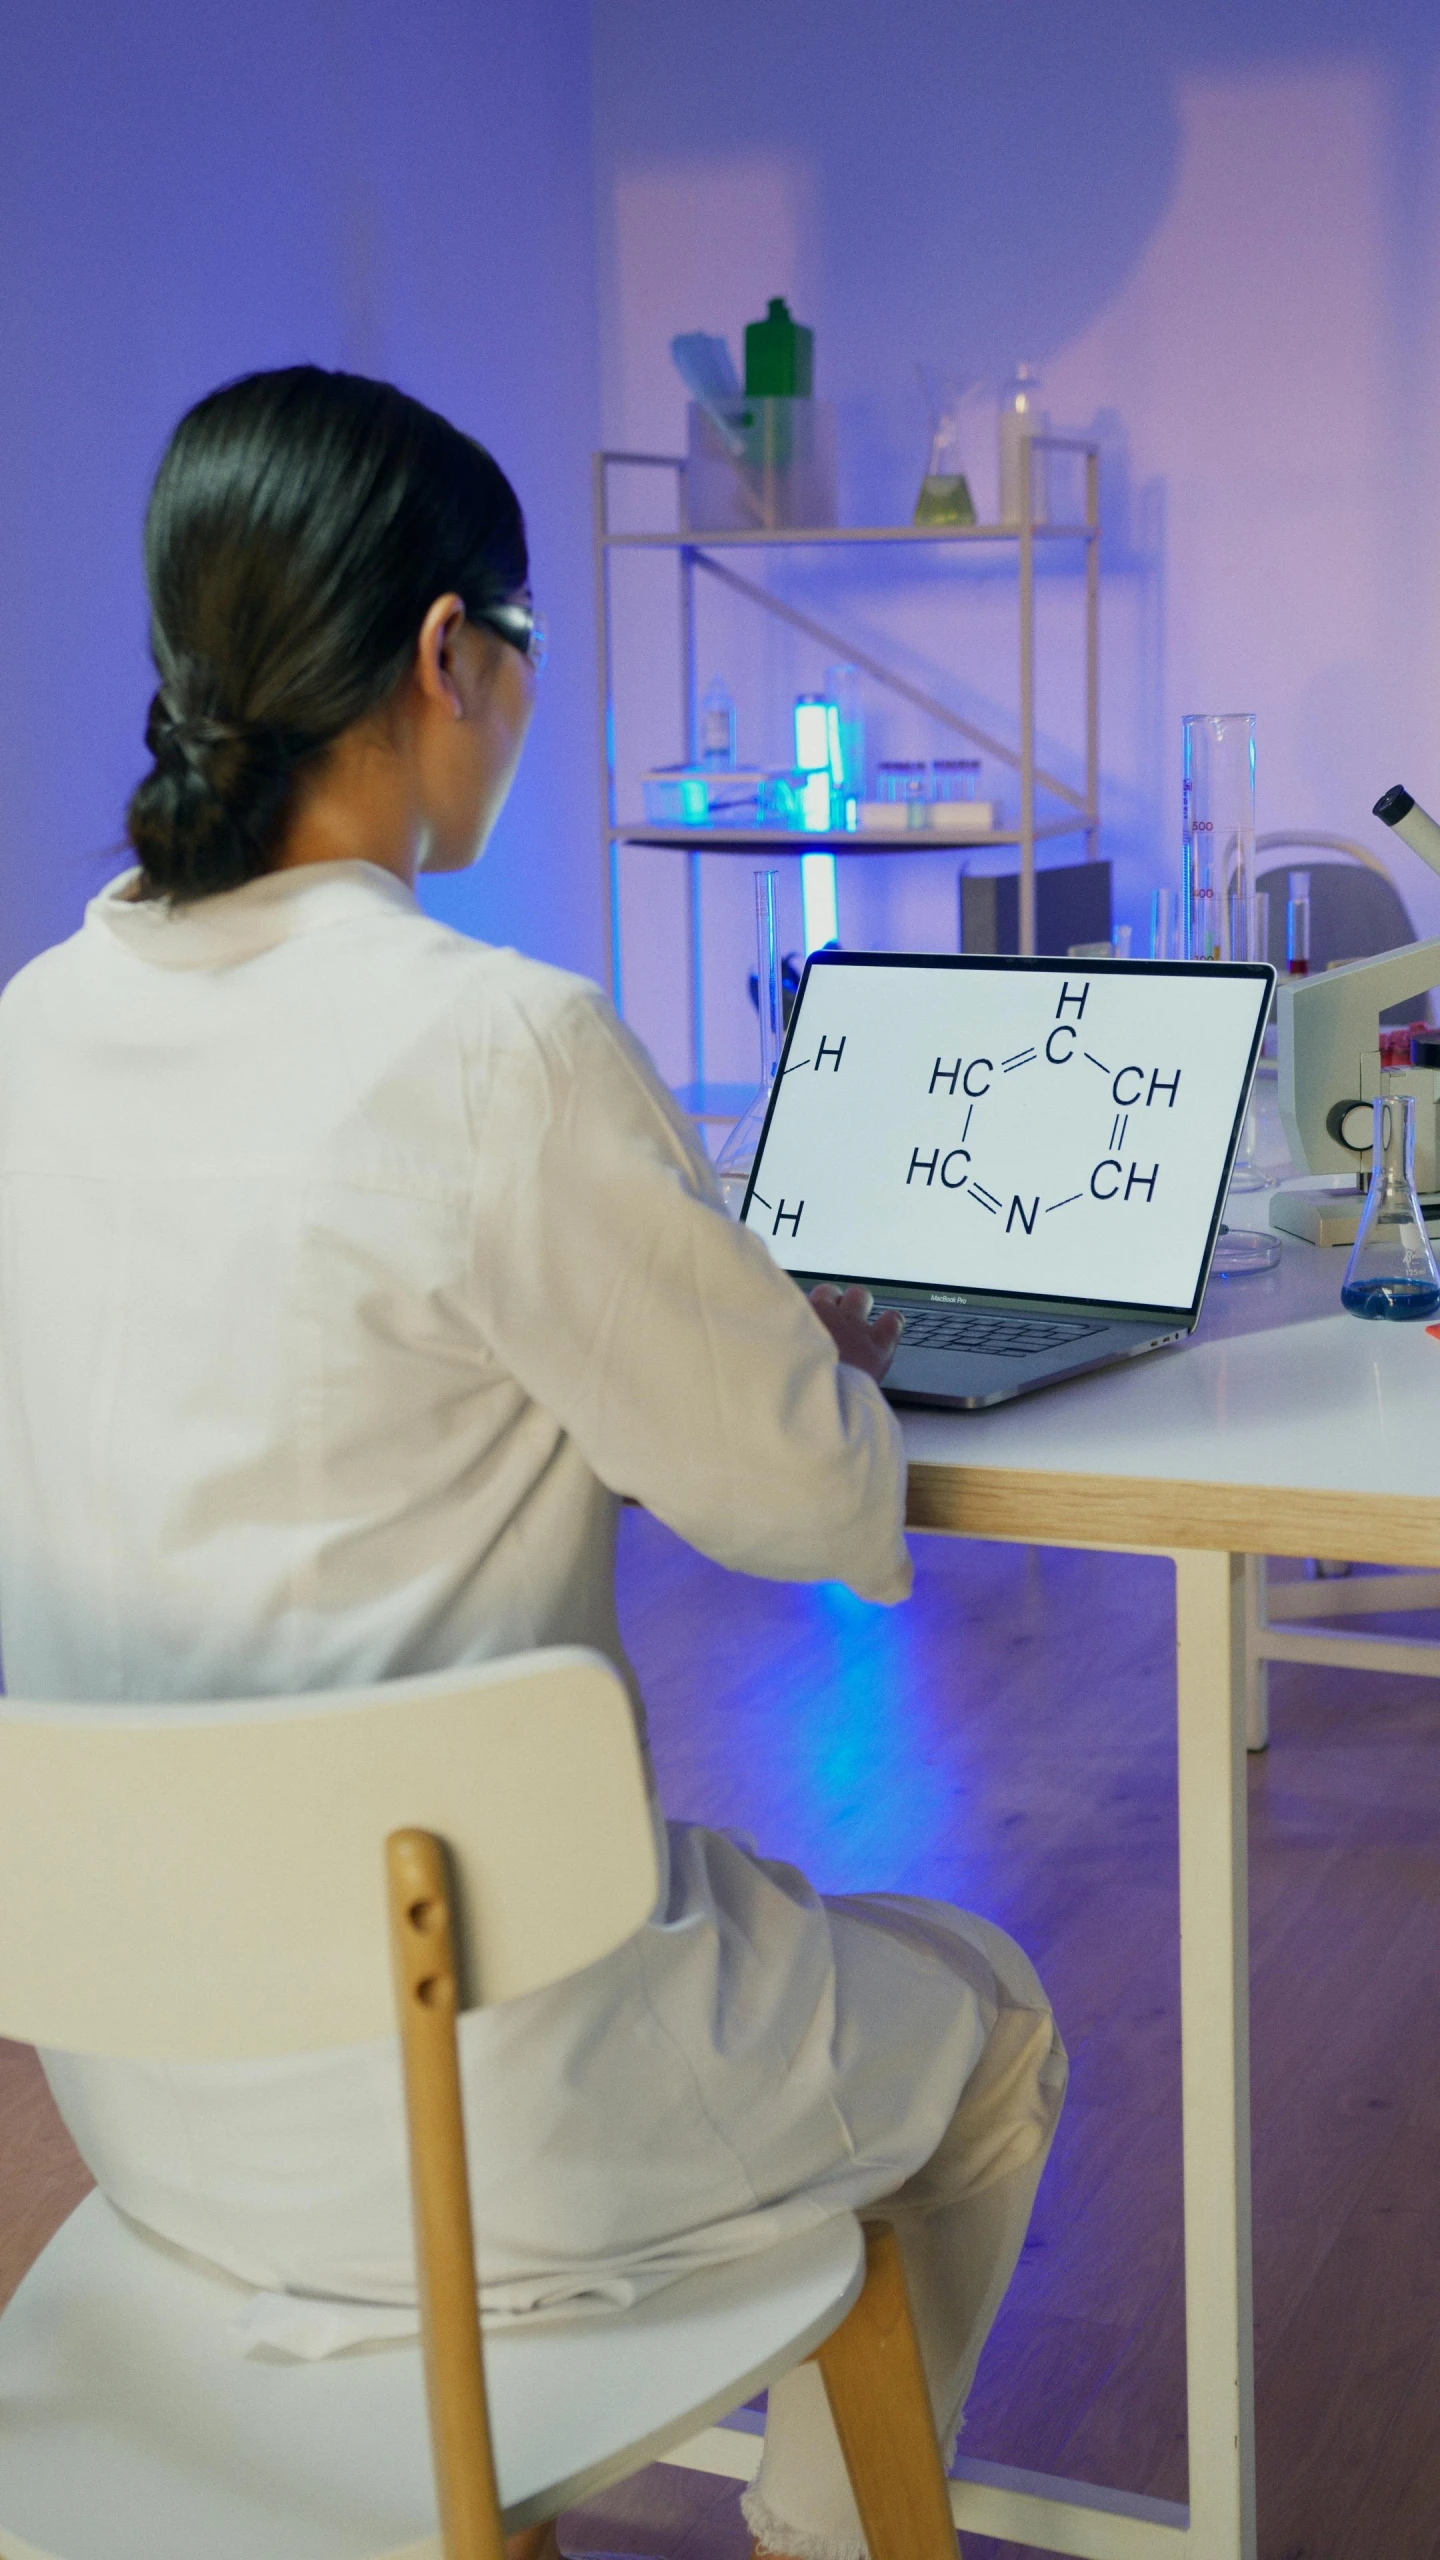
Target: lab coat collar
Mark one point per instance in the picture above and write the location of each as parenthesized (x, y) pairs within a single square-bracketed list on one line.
[(238, 924)]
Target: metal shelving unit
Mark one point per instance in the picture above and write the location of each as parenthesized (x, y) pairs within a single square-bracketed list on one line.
[(696, 554)]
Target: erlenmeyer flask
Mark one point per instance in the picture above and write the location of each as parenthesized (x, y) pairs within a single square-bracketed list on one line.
[(1392, 1271), (733, 1163), (945, 491)]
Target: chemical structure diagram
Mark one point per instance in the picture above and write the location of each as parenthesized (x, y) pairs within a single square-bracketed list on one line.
[(1115, 1174)]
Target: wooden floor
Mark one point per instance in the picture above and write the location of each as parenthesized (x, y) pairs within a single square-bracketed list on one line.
[(1006, 1741)]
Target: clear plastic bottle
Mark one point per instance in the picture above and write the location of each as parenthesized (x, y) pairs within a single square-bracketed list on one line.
[(717, 727), (1392, 1272)]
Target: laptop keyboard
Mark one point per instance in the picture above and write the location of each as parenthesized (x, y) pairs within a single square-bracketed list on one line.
[(1000, 1337)]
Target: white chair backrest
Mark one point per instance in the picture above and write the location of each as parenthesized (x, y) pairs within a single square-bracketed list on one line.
[(1307, 840), (195, 1882)]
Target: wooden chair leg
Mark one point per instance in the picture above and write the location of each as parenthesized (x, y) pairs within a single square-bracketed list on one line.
[(428, 1997), (875, 2383)]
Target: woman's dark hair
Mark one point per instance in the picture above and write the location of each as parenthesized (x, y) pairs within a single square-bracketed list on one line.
[(301, 525)]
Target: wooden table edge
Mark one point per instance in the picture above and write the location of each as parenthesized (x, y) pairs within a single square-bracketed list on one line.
[(1134, 1512)]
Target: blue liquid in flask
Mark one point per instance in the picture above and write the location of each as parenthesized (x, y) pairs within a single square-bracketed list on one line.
[(1401, 1301), (1392, 1274)]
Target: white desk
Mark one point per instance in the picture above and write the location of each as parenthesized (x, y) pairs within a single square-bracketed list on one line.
[(1284, 1427)]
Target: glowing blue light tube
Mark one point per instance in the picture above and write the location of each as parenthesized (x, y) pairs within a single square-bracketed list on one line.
[(819, 901)]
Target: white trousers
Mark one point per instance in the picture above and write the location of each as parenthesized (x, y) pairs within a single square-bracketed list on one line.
[(960, 2222)]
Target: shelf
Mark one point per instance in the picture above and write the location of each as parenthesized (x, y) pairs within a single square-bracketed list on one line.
[(678, 839), (702, 561), (762, 537)]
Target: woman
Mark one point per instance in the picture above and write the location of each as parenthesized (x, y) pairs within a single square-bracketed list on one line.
[(350, 1273)]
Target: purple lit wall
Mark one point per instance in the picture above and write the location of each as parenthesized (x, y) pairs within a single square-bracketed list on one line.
[(1214, 225), (186, 193)]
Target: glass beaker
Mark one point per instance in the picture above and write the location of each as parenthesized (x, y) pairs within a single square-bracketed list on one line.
[(1219, 826), (1392, 1272), (737, 1155)]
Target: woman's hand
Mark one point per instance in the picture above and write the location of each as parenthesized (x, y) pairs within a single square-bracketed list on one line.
[(863, 1341)]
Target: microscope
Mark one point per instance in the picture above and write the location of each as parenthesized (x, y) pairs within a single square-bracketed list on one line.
[(1330, 1070)]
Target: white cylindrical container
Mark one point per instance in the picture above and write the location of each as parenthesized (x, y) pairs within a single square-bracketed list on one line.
[(1021, 415)]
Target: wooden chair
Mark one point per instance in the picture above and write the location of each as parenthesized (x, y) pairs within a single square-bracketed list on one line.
[(199, 1882)]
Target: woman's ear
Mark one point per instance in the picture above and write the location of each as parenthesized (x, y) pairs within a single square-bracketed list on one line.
[(436, 671)]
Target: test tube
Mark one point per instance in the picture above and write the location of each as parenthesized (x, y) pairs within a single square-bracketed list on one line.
[(768, 997), (1297, 926), (1167, 941), (1219, 829), (1250, 925)]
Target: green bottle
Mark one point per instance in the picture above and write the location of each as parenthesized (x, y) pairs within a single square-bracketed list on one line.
[(779, 356)]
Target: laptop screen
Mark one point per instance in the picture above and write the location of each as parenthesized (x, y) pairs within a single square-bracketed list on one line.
[(1038, 1128)]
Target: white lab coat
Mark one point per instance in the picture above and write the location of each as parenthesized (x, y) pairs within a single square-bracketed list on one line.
[(350, 1272)]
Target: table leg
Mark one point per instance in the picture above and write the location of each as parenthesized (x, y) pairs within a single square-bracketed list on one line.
[(1114, 2524), (1211, 1665), (1257, 1668)]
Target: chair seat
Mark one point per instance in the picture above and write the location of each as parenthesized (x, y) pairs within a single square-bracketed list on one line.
[(132, 2428)]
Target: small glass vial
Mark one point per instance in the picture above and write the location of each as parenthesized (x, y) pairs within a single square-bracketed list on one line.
[(1297, 926), (904, 786), (954, 778), (1392, 1272)]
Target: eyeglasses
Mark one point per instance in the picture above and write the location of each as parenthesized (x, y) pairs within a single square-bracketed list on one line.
[(518, 623)]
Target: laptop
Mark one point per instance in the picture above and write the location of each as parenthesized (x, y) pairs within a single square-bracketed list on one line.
[(1027, 1158)]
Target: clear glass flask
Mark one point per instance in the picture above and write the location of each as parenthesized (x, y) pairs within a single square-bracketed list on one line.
[(737, 1155), (1392, 1272), (945, 490)]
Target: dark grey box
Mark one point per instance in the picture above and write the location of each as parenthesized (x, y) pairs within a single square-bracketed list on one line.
[(1072, 904)]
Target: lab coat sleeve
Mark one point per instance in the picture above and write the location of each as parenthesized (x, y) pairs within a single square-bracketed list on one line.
[(684, 1364)]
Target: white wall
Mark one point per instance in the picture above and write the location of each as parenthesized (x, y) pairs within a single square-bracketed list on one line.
[(1216, 230), (187, 193)]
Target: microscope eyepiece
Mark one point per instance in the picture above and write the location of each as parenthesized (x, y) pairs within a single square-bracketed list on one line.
[(1413, 825), (1394, 804)]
